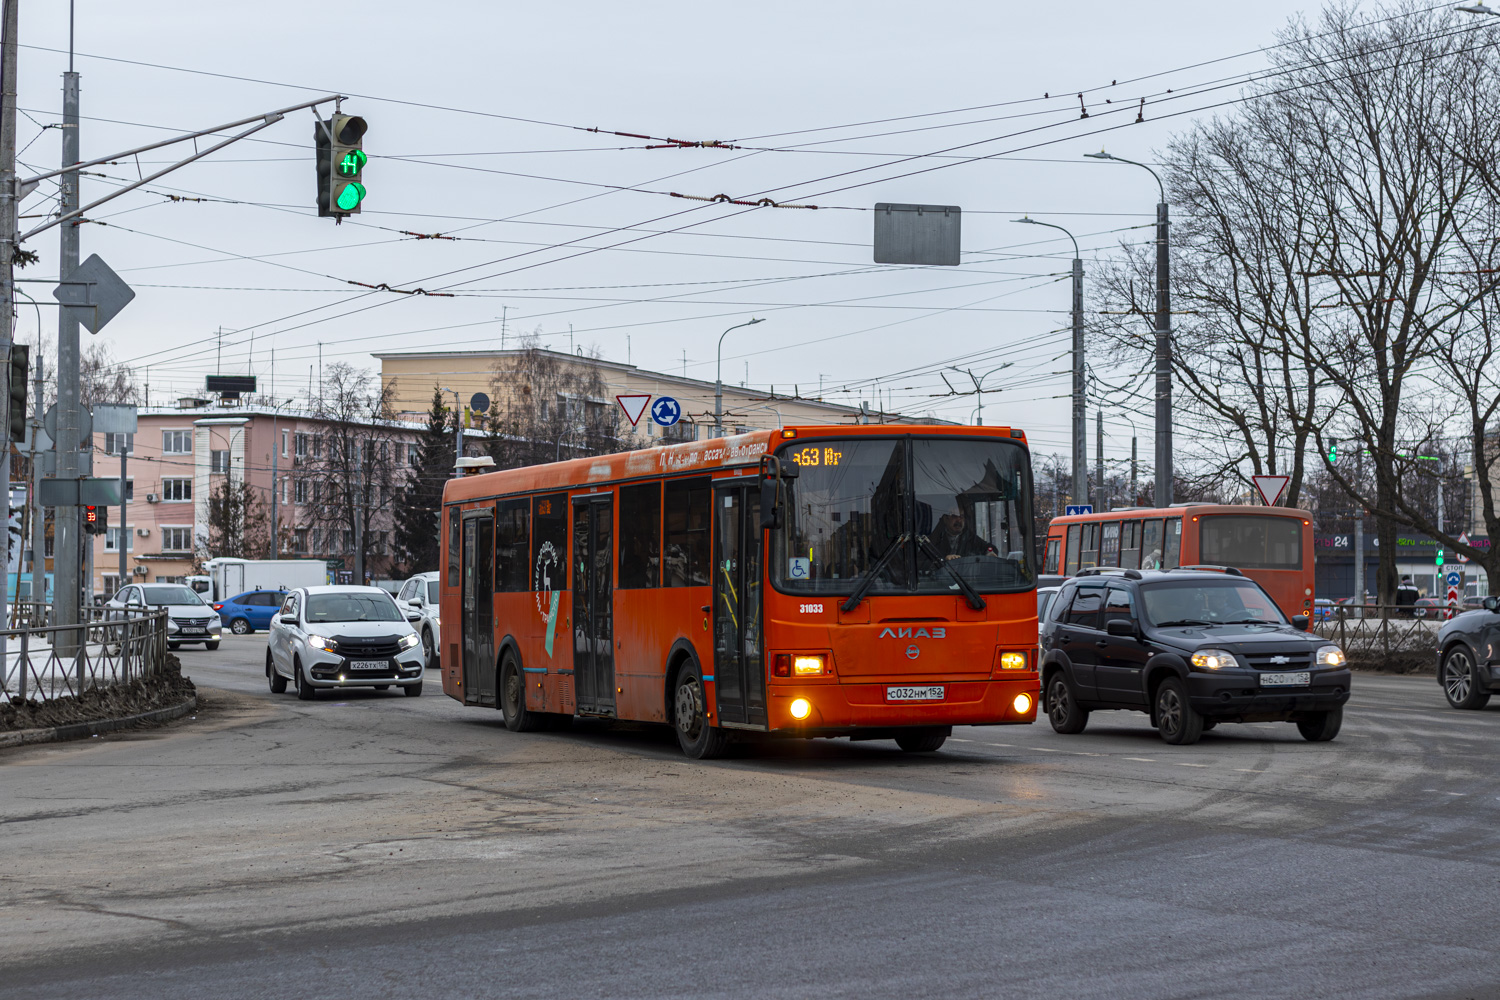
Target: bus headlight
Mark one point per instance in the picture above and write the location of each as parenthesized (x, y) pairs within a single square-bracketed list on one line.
[(1330, 656), (801, 708), (806, 666), (1013, 661), (1214, 659)]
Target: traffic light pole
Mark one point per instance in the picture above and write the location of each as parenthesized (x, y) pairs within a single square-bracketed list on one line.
[(8, 50), (67, 547)]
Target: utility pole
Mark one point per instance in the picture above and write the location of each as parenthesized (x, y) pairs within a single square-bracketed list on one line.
[(1134, 489), (67, 547), (125, 441), (8, 234), (359, 515), (1080, 398), (38, 512), (1099, 459)]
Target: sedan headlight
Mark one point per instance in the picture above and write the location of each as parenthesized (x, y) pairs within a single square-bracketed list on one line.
[(318, 642), (1330, 656), (1214, 659), (215, 622), (410, 640)]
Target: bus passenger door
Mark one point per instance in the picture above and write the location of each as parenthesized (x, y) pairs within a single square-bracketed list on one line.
[(739, 663), (479, 609), (593, 604)]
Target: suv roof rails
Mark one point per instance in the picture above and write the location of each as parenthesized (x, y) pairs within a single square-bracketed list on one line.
[(1229, 570), (1129, 574)]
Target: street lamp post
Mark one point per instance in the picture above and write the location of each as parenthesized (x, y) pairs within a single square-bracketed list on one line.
[(275, 484), (1080, 416), (1163, 338), (719, 379)]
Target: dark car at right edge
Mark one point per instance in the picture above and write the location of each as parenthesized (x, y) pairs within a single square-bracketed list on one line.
[(1469, 655), (1192, 648)]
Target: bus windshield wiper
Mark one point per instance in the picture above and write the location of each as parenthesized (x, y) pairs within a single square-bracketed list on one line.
[(868, 580), (975, 601)]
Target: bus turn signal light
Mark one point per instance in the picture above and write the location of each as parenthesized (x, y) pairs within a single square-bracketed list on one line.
[(781, 666), (1012, 661), (801, 708), (1022, 704), (806, 666)]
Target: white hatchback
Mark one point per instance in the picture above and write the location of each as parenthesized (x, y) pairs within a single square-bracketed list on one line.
[(420, 593), (339, 637)]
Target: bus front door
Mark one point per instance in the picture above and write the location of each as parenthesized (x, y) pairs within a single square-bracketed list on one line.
[(739, 664), (479, 609), (593, 604)]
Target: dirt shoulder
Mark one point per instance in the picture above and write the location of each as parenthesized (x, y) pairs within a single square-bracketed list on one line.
[(147, 695)]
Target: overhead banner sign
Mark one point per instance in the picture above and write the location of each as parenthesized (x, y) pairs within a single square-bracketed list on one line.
[(1271, 488), (634, 406)]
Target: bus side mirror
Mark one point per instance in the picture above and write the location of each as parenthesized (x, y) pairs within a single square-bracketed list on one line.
[(770, 509)]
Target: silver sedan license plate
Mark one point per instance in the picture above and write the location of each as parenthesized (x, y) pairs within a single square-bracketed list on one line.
[(1300, 679), (368, 665), (193, 630), (932, 692)]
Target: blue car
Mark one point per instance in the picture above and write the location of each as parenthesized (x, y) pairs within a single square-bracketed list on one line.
[(244, 613)]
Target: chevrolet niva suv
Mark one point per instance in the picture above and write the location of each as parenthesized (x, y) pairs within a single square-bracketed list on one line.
[(1191, 647)]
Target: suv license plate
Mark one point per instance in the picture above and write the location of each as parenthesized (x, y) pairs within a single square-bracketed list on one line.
[(1300, 679), (933, 692), (368, 665)]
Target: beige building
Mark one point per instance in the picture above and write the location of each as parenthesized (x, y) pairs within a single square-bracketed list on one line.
[(412, 375)]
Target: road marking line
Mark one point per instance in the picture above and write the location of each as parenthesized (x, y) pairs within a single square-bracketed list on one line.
[(1147, 760), (1182, 764), (1249, 770), (1044, 749), (1455, 793)]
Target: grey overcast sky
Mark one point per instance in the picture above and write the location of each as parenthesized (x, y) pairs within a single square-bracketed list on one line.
[(791, 81)]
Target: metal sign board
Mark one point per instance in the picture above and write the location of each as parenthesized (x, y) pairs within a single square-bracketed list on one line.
[(229, 384), (85, 423), (115, 418), (1271, 488), (666, 411), (1078, 508), (1463, 539), (93, 293), (1455, 579), (917, 234), (479, 403), (634, 406), (77, 492)]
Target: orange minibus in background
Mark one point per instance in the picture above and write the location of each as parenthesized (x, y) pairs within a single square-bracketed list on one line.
[(1271, 545), (875, 582)]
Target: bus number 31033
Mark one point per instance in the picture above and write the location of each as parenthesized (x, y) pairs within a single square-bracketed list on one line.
[(811, 609)]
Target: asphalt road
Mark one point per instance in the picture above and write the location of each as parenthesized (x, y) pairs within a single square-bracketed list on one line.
[(383, 846)]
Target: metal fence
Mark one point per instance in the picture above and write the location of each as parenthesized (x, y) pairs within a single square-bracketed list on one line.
[(115, 646), (1366, 630)]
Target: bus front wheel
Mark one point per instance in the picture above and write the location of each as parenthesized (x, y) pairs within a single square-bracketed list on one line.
[(697, 738), (518, 718)]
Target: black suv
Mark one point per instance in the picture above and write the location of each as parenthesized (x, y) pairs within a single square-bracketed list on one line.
[(1191, 647)]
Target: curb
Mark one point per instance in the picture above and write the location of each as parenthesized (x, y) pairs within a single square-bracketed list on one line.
[(80, 730)]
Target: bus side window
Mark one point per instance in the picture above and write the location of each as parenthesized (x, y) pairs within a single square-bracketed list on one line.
[(1072, 553), (1088, 555), (1172, 553), (512, 546), (1130, 545), (1151, 544), (1109, 543), (453, 546), (549, 543), (640, 536), (686, 557), (1049, 561)]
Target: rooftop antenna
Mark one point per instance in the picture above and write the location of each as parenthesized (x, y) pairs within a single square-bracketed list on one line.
[(503, 311)]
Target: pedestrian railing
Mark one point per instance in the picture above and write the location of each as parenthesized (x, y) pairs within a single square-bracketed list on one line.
[(1383, 629), (114, 646)]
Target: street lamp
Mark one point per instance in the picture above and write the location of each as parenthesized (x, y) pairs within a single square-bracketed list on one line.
[(1163, 338), (719, 379), (1080, 417), (458, 423), (1478, 8)]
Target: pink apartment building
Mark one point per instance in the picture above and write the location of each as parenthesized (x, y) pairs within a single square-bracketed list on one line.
[(179, 456)]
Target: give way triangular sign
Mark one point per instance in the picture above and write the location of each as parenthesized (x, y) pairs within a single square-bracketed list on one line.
[(633, 406), (1271, 488)]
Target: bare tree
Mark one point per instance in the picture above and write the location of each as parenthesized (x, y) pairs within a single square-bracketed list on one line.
[(238, 525), (549, 407)]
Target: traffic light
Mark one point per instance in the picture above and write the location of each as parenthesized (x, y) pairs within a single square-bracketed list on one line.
[(1440, 557), (95, 520), (1333, 451), (340, 163), (20, 368)]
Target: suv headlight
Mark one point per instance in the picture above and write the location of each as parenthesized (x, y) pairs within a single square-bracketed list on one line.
[(318, 642), (1214, 659), (410, 640), (1330, 656)]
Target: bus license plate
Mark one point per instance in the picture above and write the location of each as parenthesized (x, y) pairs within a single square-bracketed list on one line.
[(933, 692), (1299, 679), (368, 664)]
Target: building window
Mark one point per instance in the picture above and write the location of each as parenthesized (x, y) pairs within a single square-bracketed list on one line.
[(299, 541), (171, 579), (411, 456), (114, 442), (301, 445), (400, 452), (300, 491), (317, 541), (285, 486), (112, 583), (218, 461), (177, 489), (284, 435), (176, 442), (112, 539), (177, 539)]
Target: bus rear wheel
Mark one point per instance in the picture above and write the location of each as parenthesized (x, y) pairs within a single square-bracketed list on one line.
[(698, 739), (518, 718)]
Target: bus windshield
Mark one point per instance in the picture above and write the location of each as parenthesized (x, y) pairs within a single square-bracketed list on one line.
[(911, 511)]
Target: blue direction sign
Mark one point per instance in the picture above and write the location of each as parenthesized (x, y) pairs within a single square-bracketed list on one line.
[(666, 411), (1455, 579), (1079, 508)]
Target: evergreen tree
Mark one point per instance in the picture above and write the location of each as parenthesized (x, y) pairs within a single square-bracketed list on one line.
[(419, 501)]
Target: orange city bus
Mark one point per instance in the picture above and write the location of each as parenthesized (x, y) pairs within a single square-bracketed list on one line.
[(875, 582), (1271, 545)]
